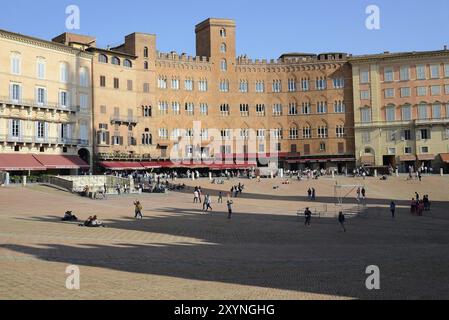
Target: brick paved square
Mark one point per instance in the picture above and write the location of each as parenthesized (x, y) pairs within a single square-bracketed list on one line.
[(264, 252)]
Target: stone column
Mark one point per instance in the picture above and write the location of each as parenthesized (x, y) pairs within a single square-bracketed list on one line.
[(7, 179), (442, 172), (24, 181)]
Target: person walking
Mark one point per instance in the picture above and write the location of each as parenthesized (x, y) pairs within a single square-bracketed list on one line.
[(393, 209), (363, 193), (220, 197), (208, 203), (138, 209), (229, 204), (309, 194), (341, 220), (313, 194), (308, 216), (195, 196), (200, 194)]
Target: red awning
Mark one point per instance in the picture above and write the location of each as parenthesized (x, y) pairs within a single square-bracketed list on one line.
[(426, 157), (445, 157), (117, 165), (150, 165), (61, 161), (20, 162)]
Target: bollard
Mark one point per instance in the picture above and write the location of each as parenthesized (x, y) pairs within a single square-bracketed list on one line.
[(7, 179), (24, 181), (272, 175), (442, 172), (397, 172), (210, 176), (281, 173), (333, 174), (375, 173)]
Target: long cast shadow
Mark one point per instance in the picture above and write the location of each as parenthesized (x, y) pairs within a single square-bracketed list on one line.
[(277, 252)]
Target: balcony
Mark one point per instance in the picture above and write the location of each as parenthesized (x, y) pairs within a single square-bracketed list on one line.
[(42, 141), (425, 122), (7, 101), (124, 120)]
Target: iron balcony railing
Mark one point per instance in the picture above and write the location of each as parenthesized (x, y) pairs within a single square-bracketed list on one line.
[(35, 104), (46, 140)]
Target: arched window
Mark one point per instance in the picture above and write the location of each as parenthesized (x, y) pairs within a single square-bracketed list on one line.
[(145, 52), (145, 65), (223, 48), (224, 65), (115, 61), (223, 33), (103, 58), (127, 63)]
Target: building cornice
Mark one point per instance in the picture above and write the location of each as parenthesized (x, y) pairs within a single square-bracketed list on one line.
[(375, 58), (17, 37)]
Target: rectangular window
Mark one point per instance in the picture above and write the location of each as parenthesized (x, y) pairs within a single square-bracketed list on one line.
[(389, 93), (63, 99), (146, 87), (339, 107), (421, 72), (388, 75), (366, 115), (292, 109), (15, 128), (306, 108), (366, 137), (436, 111), (174, 84), (204, 109), (339, 83), (202, 85), (306, 133), (405, 92), (116, 83), (163, 107), (390, 114), (243, 86), (435, 90), (305, 85), (321, 107), (16, 92), (405, 73), (188, 85), (408, 150), (340, 131), (364, 76), (435, 71), (129, 85), (291, 85), (364, 94), (244, 110), (321, 84), (40, 128), (224, 109), (176, 108), (84, 102), (41, 96), (102, 81), (406, 113), (421, 91), (190, 109), (16, 64), (162, 82), (277, 110), (260, 110), (41, 66), (424, 149), (407, 135)]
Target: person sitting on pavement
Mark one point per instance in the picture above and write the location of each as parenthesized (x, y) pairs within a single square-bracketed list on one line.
[(68, 216)]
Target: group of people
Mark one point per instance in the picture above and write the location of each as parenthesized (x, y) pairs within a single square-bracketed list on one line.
[(418, 206), (361, 193), (311, 194), (308, 218), (236, 190)]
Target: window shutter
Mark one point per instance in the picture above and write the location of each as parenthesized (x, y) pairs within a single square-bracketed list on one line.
[(418, 135), (36, 128), (11, 94), (10, 128), (47, 129)]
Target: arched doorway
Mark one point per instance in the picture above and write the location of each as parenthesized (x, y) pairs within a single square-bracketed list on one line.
[(85, 155)]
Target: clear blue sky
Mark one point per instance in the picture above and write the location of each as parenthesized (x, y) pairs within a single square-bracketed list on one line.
[(265, 29)]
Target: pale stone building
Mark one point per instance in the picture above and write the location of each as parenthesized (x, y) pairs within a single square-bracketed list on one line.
[(401, 112), (45, 106)]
